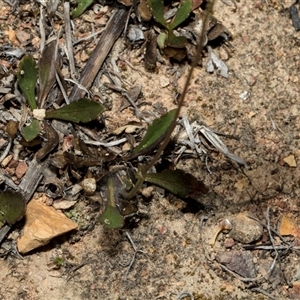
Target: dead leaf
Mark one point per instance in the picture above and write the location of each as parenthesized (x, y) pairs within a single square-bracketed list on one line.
[(288, 227)]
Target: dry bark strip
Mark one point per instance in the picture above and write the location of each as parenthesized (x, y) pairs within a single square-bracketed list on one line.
[(110, 35)]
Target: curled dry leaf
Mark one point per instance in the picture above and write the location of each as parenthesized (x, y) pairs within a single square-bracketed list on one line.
[(51, 142), (224, 226)]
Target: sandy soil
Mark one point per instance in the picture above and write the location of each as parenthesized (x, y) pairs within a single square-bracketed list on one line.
[(174, 254)]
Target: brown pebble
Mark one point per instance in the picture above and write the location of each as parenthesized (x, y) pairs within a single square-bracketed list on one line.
[(229, 243), (22, 36), (21, 169), (240, 262), (245, 230)]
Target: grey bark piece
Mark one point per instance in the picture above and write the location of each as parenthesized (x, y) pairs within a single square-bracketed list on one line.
[(107, 40)]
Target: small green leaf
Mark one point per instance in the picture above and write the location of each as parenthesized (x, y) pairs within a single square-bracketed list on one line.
[(155, 133), (82, 5), (31, 131), (175, 41), (12, 207), (83, 110), (111, 218), (161, 40), (27, 76), (46, 72), (157, 9), (179, 183), (183, 11)]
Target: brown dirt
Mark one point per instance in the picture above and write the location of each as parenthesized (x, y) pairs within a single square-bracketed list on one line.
[(175, 257)]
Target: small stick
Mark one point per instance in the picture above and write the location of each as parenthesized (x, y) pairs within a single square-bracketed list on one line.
[(69, 39), (112, 32)]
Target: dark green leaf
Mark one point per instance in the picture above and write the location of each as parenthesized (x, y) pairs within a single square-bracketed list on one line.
[(31, 131), (82, 5), (175, 41), (12, 207), (46, 71), (83, 110), (157, 9), (179, 183), (183, 11), (111, 217), (27, 76), (155, 133)]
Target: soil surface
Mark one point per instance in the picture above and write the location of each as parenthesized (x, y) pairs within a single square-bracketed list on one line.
[(257, 105)]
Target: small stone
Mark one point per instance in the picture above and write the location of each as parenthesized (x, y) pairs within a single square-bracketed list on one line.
[(294, 292), (240, 262), (22, 36), (290, 160), (229, 243), (43, 223), (245, 230), (164, 81), (63, 204), (21, 169), (6, 160), (241, 184), (89, 185)]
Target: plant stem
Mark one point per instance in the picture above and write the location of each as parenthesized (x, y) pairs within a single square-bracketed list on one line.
[(142, 172)]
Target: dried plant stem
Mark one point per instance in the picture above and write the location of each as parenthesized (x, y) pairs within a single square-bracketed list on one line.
[(163, 145)]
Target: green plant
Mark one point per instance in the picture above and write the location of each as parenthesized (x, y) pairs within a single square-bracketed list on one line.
[(81, 111), (12, 207), (58, 261), (167, 40), (158, 135), (82, 5)]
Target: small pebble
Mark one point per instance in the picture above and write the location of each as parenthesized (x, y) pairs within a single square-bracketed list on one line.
[(22, 36), (245, 230), (240, 262), (229, 243)]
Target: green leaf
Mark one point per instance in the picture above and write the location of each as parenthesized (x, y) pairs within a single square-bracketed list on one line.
[(46, 71), (82, 5), (157, 9), (31, 131), (155, 133), (83, 110), (175, 41), (183, 11), (161, 40), (12, 207), (111, 218), (179, 183), (27, 76)]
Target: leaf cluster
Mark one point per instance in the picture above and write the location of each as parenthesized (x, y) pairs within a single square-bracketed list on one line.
[(82, 111)]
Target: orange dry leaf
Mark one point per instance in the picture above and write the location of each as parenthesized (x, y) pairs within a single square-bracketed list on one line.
[(288, 227)]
